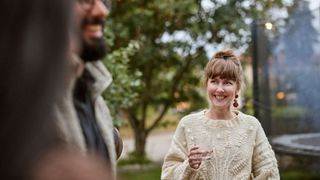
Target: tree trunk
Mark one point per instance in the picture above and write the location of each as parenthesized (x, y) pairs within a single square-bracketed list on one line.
[(140, 142)]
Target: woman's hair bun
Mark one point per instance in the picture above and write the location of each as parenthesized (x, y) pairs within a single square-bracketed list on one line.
[(224, 54)]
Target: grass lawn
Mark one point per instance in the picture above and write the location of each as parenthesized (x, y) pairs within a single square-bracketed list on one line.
[(146, 174), (154, 174), (300, 174)]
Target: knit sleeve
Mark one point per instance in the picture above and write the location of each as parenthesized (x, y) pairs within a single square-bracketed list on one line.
[(264, 162), (176, 166)]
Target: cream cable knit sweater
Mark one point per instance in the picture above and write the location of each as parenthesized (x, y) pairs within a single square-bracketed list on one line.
[(240, 150)]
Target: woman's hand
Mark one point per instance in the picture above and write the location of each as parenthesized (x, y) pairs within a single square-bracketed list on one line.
[(195, 157)]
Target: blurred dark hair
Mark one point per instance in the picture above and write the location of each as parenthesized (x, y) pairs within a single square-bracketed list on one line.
[(34, 42)]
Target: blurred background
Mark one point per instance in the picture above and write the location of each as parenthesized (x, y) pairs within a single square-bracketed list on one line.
[(159, 48)]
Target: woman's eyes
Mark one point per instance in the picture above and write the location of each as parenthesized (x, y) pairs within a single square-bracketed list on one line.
[(224, 82), (228, 82)]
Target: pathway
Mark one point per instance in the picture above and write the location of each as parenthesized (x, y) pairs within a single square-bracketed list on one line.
[(156, 148)]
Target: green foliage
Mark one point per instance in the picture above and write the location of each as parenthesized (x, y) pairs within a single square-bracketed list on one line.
[(123, 91), (288, 112)]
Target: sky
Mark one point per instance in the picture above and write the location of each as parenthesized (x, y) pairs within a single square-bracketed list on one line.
[(314, 3)]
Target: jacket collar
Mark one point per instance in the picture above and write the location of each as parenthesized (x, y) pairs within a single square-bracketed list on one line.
[(101, 75)]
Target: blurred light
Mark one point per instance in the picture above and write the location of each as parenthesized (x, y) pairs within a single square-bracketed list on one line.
[(280, 95), (268, 25), (181, 106)]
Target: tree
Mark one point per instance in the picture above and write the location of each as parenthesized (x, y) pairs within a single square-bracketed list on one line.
[(123, 91), (174, 36), (301, 74), (300, 35)]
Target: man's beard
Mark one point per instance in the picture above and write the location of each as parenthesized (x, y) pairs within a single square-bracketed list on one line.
[(94, 51), (97, 48)]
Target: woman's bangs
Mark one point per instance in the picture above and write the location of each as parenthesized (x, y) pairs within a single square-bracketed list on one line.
[(223, 70)]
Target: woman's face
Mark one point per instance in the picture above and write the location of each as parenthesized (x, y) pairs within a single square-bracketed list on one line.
[(221, 92)]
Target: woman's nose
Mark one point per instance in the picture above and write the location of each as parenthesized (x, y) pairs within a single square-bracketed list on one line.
[(220, 88)]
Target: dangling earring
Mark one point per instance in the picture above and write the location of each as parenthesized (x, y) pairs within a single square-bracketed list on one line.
[(235, 102)]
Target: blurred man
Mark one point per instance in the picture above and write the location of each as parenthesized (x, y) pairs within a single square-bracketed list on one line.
[(86, 123), (32, 62)]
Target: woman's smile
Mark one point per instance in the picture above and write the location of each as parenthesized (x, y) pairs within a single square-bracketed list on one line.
[(220, 97)]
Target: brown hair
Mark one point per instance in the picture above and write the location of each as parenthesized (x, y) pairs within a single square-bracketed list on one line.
[(226, 65)]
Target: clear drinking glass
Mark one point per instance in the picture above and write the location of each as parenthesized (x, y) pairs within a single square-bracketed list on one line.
[(207, 155)]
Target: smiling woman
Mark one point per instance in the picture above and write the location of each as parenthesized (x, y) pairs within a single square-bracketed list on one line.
[(223, 79), (220, 142)]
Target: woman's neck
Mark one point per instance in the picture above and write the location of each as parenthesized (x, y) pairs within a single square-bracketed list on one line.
[(225, 114)]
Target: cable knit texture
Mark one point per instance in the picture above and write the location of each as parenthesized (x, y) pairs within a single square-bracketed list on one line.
[(240, 150)]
